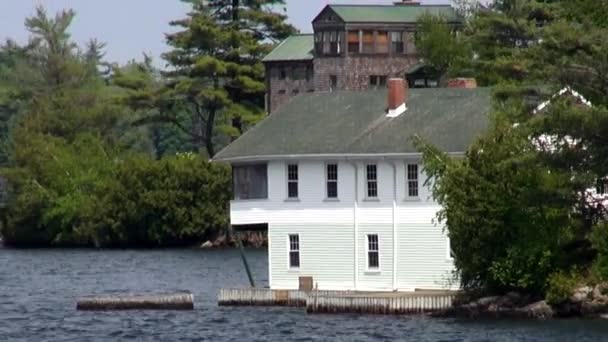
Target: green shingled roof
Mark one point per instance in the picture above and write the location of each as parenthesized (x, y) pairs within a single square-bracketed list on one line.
[(351, 122), (390, 14), (294, 48)]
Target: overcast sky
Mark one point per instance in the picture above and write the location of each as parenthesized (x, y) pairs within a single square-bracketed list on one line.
[(132, 27)]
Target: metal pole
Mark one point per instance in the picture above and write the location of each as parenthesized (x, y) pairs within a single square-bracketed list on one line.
[(243, 257)]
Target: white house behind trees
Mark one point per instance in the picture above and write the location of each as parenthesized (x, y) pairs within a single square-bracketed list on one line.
[(337, 182)]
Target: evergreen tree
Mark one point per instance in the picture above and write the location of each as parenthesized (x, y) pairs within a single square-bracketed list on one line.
[(216, 67)]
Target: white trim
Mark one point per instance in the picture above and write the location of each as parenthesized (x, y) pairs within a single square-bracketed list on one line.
[(564, 90), (394, 226), (269, 257), (356, 226), (321, 156), (448, 255), (393, 113), (367, 268), (367, 196)]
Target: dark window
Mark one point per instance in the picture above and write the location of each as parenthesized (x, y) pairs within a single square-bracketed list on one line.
[(292, 181), (376, 81), (373, 252), (397, 42), (295, 92), (294, 251), (602, 187), (333, 82), (282, 91), (353, 41), (368, 41), (296, 73), (382, 45), (372, 181), (250, 182), (319, 42), (332, 180), (282, 74), (309, 72), (412, 180)]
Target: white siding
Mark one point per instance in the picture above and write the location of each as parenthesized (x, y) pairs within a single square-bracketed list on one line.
[(327, 228)]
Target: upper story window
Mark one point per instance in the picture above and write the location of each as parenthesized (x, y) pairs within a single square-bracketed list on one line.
[(250, 182), (372, 180), (368, 42), (332, 180), (382, 45), (328, 42), (309, 72), (353, 41), (412, 180), (292, 181), (282, 73), (397, 45)]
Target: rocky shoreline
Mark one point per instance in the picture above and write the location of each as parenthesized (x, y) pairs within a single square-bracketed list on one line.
[(585, 302), (249, 239)]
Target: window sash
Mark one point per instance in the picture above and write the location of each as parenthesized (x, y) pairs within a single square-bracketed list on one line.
[(332, 180), (412, 180), (382, 45), (353, 41), (294, 251), (373, 252), (368, 41), (372, 181), (292, 181)]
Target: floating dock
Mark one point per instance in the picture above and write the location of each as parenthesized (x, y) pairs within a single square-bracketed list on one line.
[(393, 303)]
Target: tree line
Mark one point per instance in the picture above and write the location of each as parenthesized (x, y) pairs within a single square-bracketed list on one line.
[(523, 206), (108, 155)]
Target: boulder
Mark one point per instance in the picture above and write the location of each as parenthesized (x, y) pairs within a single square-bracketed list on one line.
[(207, 245), (581, 294), (540, 310)]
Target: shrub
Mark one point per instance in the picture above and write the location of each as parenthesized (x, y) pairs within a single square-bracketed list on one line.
[(560, 286)]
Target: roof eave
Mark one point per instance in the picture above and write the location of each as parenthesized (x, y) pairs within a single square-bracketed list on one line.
[(326, 156)]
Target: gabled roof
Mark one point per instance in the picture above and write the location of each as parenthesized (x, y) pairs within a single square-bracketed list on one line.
[(390, 13), (295, 48), (564, 91), (354, 123)]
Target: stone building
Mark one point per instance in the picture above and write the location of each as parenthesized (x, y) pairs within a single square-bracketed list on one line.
[(353, 47)]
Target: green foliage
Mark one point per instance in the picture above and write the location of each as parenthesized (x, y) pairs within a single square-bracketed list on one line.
[(560, 287), (438, 44), (599, 241)]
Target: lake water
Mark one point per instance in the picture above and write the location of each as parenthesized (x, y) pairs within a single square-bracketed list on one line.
[(39, 289)]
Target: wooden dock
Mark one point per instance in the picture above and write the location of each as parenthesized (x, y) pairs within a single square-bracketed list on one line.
[(394, 303)]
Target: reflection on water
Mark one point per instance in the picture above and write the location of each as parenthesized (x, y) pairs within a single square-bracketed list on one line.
[(39, 288)]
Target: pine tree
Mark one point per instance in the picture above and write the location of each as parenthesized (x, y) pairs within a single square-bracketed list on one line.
[(216, 68)]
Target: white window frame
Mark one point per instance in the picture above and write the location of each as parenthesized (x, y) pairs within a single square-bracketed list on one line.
[(296, 181), (367, 251), (408, 180), (367, 181), (289, 251), (448, 250), (327, 181)]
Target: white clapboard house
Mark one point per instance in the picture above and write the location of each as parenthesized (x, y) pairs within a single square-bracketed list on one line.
[(336, 181)]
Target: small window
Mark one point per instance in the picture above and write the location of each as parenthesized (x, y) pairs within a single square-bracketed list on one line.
[(282, 73), (294, 251), (319, 42), (332, 180), (309, 72), (382, 45), (382, 81), (412, 180), (372, 181), (353, 41), (373, 252), (602, 187), (292, 181), (282, 92), (333, 82), (368, 41), (373, 81), (295, 92), (449, 250), (397, 42)]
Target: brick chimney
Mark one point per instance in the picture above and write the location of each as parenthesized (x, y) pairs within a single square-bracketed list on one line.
[(397, 97), (462, 82), (407, 3)]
